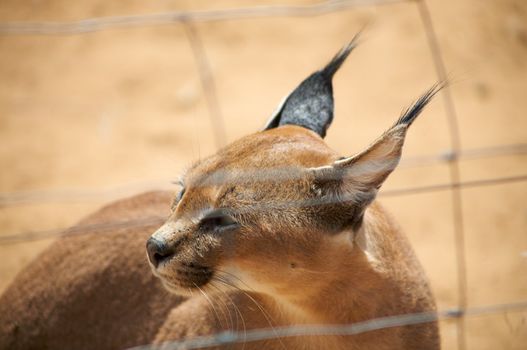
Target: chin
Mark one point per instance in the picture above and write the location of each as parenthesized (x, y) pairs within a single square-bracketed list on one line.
[(177, 289), (185, 279)]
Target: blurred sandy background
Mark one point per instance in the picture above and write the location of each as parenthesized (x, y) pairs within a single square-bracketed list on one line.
[(87, 118)]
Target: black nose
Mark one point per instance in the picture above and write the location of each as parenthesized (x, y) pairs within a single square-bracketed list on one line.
[(158, 251)]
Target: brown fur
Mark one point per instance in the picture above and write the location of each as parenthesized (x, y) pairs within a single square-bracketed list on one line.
[(308, 248), (292, 261), (273, 230), (91, 290)]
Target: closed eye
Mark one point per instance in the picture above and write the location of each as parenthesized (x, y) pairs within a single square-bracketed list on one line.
[(218, 219)]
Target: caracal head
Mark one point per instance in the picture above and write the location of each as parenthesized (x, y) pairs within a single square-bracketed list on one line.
[(277, 208)]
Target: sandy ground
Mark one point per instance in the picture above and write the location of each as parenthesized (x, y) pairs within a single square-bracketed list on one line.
[(90, 117)]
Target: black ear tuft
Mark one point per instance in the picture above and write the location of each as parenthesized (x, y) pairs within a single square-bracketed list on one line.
[(310, 105), (412, 112)]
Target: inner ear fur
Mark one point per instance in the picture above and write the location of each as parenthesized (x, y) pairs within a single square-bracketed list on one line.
[(355, 180)]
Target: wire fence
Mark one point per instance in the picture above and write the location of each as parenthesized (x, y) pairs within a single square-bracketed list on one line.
[(452, 157), (87, 229), (228, 337), (9, 199), (104, 23), (455, 144)]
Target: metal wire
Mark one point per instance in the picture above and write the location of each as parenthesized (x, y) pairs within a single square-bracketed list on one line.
[(230, 337), (208, 84), (80, 230), (103, 23), (80, 194), (455, 143), (102, 227), (90, 194), (465, 155)]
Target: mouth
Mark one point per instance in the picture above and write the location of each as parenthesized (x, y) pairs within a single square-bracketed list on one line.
[(184, 277)]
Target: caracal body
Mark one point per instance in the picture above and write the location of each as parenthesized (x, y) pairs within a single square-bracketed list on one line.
[(276, 229)]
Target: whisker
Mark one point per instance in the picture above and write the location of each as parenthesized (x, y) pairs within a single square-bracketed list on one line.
[(237, 278), (211, 304), (237, 310), (270, 320), (225, 307)]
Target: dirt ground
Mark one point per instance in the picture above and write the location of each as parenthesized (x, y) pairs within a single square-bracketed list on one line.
[(90, 117)]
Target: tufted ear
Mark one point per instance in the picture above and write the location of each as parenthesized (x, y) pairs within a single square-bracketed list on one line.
[(357, 179), (310, 105)]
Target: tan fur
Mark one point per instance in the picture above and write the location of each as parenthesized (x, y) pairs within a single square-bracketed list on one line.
[(293, 259), (283, 258)]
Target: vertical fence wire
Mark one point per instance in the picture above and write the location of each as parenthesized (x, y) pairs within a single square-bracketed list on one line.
[(454, 169), (208, 84)]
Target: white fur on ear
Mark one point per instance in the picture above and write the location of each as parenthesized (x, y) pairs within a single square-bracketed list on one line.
[(358, 178), (274, 120), (372, 166), (361, 175)]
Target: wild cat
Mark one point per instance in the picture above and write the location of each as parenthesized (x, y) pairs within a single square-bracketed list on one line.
[(279, 220), (275, 229)]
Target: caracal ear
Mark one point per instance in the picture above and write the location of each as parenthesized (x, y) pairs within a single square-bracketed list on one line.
[(310, 105), (357, 179)]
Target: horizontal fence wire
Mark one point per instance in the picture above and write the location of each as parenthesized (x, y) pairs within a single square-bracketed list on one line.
[(88, 194), (104, 227), (102, 23), (82, 229), (231, 337)]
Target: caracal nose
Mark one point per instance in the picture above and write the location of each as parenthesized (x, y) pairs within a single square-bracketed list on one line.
[(159, 251)]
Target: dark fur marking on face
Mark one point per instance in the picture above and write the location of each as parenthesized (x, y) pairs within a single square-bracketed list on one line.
[(192, 275)]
